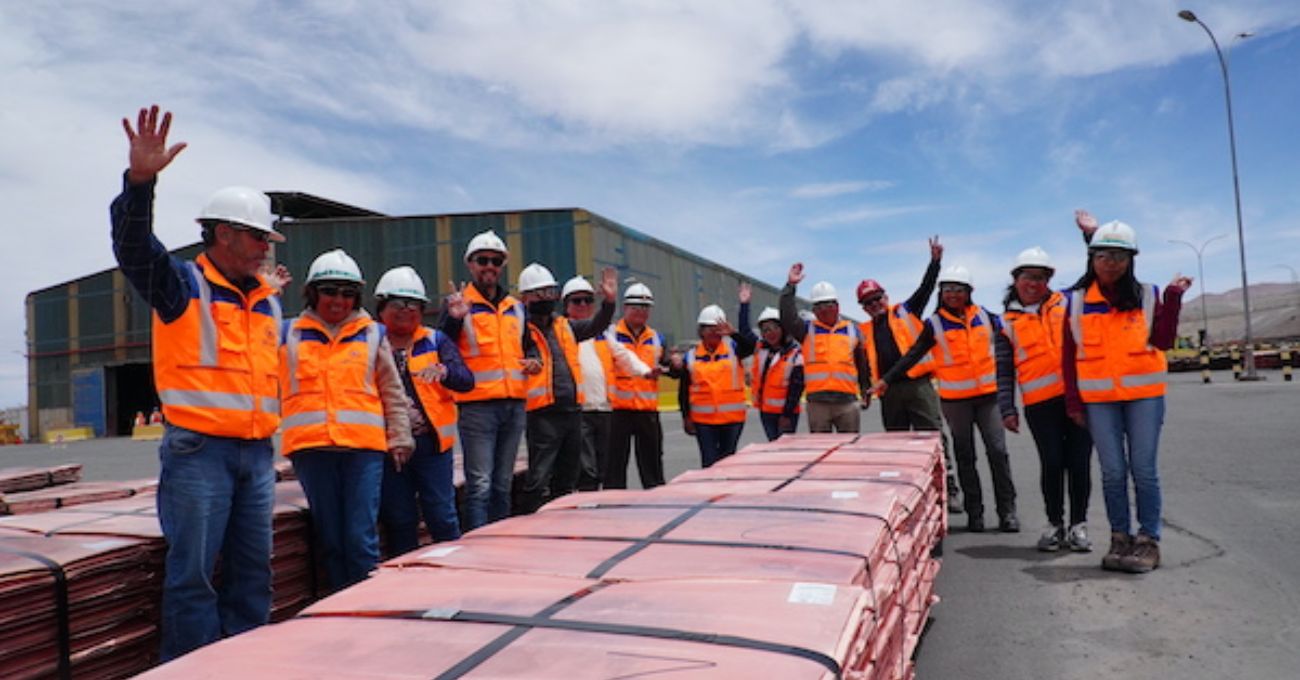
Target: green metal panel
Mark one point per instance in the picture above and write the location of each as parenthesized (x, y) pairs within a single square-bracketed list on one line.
[(95, 310), (548, 239)]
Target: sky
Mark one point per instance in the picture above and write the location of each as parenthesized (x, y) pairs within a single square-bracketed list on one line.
[(840, 134)]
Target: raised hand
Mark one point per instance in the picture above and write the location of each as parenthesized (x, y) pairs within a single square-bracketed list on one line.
[(795, 275), (1086, 222), (725, 328), (277, 277), (609, 283), (149, 151), (1182, 283), (936, 249), (745, 293), (457, 305)]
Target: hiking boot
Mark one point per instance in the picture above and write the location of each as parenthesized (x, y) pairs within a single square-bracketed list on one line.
[(1121, 544), (1144, 557), (1078, 539), (1009, 524), (1052, 539), (975, 525)]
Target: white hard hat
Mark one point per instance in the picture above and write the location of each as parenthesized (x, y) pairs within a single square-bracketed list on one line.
[(1115, 234), (711, 316), (638, 294), (243, 206), (487, 240), (401, 282), (334, 265), (536, 277), (769, 314), (823, 291), (957, 274), (1033, 257), (576, 284)]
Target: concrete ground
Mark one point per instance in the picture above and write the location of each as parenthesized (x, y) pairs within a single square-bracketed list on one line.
[(1226, 602)]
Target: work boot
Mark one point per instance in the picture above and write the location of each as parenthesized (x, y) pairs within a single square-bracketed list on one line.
[(1052, 539), (1078, 539), (1121, 544), (1144, 557), (1009, 524), (975, 524)]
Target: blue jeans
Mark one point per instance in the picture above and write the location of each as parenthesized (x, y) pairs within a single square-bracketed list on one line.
[(215, 495), (1137, 422), (489, 436), (342, 488), (717, 441), (427, 476), (772, 425)]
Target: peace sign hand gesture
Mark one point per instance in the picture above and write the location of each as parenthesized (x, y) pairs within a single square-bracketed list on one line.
[(149, 151), (457, 305)]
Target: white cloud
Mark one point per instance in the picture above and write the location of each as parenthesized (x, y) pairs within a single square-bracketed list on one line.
[(866, 213), (829, 189)]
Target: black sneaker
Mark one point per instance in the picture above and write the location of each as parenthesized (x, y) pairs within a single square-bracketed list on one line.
[(1052, 539), (975, 525), (1009, 524), (1121, 544)]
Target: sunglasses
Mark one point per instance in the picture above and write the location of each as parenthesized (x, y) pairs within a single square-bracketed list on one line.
[(1112, 255), (584, 300), (953, 289), (872, 300), (399, 304), (257, 234), (485, 260), (347, 292)]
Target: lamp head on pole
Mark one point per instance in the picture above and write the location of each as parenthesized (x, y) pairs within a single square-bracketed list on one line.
[(1187, 15)]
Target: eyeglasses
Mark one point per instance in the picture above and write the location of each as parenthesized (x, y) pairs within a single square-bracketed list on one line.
[(867, 302), (955, 288), (400, 304), (583, 300), (258, 234), (824, 304), (1037, 277), (1115, 256), (347, 292), (485, 260)]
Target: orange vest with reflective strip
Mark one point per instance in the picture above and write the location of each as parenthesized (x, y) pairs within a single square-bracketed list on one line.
[(632, 392), (541, 388), (492, 344), (1036, 342), (905, 327), (963, 353), (606, 356), (1114, 358), (436, 400), (328, 383), (216, 366), (828, 357), (717, 390), (771, 390)]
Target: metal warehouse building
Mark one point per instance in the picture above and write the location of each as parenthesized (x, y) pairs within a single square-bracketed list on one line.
[(88, 340)]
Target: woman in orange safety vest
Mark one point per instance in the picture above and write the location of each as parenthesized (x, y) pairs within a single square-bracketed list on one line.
[(776, 383), (342, 408), (1033, 324), (1113, 364), (966, 341), (712, 387)]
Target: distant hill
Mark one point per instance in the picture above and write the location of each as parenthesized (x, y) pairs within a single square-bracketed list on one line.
[(1274, 313)]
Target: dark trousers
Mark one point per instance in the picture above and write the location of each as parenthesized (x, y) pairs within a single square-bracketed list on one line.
[(913, 405), (424, 486), (644, 426), (595, 450), (963, 416), (772, 425), (1065, 451), (717, 441), (554, 449)]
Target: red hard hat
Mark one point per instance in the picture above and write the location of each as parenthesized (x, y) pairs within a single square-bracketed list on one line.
[(868, 286)]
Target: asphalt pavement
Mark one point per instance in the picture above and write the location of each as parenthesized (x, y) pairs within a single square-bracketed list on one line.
[(1224, 604)]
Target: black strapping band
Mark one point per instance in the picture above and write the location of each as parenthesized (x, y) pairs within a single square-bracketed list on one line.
[(640, 544), (61, 613)]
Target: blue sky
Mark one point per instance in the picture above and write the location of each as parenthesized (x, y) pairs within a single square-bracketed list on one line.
[(755, 133)]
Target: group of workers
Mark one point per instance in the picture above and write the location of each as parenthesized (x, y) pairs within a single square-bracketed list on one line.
[(369, 407)]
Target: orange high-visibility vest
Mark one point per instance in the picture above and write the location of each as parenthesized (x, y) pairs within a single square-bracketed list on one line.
[(717, 390), (905, 327), (770, 391), (541, 388), (328, 383), (632, 392), (964, 353), (606, 356), (492, 344), (1115, 359), (1036, 341), (216, 366), (828, 357), (437, 401)]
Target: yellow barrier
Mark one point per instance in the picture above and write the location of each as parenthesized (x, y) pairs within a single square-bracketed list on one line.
[(68, 434), (147, 432)]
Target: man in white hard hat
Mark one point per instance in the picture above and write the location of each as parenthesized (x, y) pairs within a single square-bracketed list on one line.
[(598, 357), (635, 397), (835, 365), (711, 390), (491, 332), (555, 395), (216, 331)]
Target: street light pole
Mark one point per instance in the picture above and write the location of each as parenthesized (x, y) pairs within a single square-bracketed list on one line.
[(1248, 358), (1200, 272)]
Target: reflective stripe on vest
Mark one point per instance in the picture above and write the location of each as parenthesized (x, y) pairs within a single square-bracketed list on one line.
[(829, 364), (340, 406), (717, 388), (491, 343), (541, 387), (771, 373), (975, 375), (1114, 360), (436, 400), (1037, 350), (632, 392)]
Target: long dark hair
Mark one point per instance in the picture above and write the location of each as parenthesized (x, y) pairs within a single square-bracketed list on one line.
[(1128, 292)]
